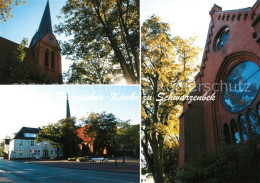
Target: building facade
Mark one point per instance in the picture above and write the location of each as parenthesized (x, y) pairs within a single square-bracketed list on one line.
[(230, 73), (42, 62), (25, 146)]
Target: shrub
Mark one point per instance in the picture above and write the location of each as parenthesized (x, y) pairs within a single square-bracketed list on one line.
[(171, 159), (238, 163), (72, 159), (53, 158), (81, 159)]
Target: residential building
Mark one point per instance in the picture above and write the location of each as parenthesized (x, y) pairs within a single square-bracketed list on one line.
[(24, 145)]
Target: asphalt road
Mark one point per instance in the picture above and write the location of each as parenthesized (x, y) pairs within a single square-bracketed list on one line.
[(13, 171)]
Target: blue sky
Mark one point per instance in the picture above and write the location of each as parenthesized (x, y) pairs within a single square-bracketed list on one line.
[(38, 105), (188, 17), (26, 20)]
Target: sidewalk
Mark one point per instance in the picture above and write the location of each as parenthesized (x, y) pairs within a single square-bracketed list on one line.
[(131, 165)]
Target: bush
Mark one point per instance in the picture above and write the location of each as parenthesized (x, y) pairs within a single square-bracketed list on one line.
[(238, 163), (53, 158), (72, 159), (81, 159), (171, 159)]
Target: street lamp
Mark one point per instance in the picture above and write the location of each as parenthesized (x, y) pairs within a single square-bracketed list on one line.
[(114, 145)]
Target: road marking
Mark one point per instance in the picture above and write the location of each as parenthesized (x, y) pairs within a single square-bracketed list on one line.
[(109, 179)]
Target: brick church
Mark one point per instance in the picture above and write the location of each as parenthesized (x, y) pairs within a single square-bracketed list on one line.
[(229, 71), (42, 62)]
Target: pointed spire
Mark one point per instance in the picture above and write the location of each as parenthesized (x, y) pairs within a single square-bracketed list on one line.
[(45, 25), (68, 108)]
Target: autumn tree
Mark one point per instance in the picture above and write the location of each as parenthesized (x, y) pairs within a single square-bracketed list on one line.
[(62, 135), (168, 65), (110, 26), (101, 127), (6, 7)]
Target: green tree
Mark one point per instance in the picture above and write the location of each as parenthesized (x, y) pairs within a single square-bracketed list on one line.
[(18, 72), (20, 52), (94, 71), (127, 137), (168, 65), (6, 7), (62, 135), (110, 26), (101, 127), (2, 149)]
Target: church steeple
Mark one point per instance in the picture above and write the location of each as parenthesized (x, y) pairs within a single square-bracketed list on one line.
[(46, 51), (68, 108), (45, 25)]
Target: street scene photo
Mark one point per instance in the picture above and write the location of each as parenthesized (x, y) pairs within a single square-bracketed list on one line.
[(70, 134)]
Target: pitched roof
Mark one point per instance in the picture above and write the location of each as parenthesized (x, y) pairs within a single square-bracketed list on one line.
[(68, 108), (83, 136), (8, 59), (7, 49), (20, 134), (45, 25)]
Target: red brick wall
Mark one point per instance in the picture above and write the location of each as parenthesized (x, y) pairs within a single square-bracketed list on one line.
[(241, 45), (48, 74)]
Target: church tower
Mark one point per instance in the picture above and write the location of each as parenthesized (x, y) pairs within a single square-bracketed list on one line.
[(46, 51), (68, 108)]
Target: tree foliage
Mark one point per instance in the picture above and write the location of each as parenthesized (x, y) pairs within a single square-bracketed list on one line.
[(168, 65), (2, 149), (17, 71), (106, 26), (62, 135), (93, 71), (20, 52), (238, 163), (127, 137), (101, 127), (6, 7)]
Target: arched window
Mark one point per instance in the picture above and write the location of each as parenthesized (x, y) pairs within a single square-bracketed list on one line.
[(253, 121), (226, 133), (235, 132), (221, 38), (52, 59), (243, 127), (241, 86), (46, 58)]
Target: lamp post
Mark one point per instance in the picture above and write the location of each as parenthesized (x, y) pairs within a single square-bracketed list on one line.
[(114, 146)]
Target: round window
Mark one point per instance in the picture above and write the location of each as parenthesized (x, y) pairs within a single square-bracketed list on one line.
[(221, 38), (51, 40), (240, 86)]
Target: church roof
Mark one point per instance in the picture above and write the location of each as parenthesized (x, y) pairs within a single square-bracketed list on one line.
[(68, 108), (81, 134), (45, 25), (7, 49)]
